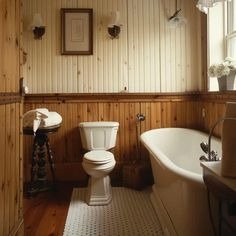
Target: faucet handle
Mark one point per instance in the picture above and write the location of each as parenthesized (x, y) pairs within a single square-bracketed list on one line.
[(214, 156), (203, 158)]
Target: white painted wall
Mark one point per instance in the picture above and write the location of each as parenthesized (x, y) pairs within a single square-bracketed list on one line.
[(148, 56)]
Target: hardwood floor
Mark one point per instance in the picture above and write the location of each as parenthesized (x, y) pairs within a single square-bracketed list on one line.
[(45, 214)]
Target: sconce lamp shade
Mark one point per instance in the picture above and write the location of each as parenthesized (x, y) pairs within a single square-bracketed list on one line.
[(37, 21), (114, 25), (115, 19), (38, 26)]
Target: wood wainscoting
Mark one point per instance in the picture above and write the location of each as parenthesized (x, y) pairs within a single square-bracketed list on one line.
[(211, 108), (160, 110), (11, 108), (11, 174)]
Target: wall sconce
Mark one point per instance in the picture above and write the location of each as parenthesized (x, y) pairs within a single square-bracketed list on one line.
[(176, 20), (38, 26), (114, 26)]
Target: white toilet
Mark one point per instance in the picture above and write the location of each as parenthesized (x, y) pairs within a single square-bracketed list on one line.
[(97, 137)]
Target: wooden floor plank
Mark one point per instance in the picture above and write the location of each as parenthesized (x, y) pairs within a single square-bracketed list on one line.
[(46, 213)]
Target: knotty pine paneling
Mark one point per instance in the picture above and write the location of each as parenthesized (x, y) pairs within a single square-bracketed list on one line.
[(211, 108), (148, 56), (9, 45), (10, 168), (2, 164), (11, 140), (66, 143)]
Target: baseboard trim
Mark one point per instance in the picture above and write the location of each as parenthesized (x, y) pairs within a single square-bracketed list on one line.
[(64, 172)]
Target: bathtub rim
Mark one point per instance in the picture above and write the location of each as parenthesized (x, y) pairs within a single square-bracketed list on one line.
[(165, 162)]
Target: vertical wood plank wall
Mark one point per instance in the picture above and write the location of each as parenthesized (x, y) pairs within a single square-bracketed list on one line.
[(11, 189), (163, 112), (9, 46), (213, 105), (149, 56), (11, 214)]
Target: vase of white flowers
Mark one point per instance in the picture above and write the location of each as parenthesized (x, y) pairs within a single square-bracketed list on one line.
[(225, 73)]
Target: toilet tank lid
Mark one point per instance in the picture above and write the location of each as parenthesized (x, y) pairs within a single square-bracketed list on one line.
[(99, 124)]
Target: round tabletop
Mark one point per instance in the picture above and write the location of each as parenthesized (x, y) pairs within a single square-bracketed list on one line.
[(42, 130)]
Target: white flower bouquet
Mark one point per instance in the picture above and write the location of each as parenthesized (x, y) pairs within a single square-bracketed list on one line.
[(221, 69)]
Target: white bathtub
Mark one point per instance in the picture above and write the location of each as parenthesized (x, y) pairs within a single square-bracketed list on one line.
[(179, 194)]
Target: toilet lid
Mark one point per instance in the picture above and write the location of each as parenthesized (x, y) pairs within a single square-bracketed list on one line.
[(98, 157)]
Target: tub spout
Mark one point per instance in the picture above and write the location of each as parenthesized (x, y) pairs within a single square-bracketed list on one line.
[(206, 147)]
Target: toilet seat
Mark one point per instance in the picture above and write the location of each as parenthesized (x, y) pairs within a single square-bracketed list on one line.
[(98, 157)]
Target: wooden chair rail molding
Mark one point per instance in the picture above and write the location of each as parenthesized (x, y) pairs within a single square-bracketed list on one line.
[(7, 98), (218, 97), (70, 97)]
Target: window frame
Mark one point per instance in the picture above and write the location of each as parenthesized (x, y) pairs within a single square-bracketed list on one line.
[(230, 33), (216, 41), (220, 53)]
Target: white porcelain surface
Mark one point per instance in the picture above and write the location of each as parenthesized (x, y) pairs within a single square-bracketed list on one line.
[(99, 191), (98, 135), (98, 157), (178, 183), (98, 170), (99, 124), (98, 163)]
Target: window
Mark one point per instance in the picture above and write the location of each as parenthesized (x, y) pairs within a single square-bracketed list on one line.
[(216, 40), (231, 29), (221, 39)]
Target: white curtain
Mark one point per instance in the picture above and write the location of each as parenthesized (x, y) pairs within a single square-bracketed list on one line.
[(203, 5)]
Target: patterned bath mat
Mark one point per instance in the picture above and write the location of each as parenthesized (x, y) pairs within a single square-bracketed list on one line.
[(129, 213)]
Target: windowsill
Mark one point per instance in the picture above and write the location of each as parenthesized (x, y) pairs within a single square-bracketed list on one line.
[(218, 96), (221, 92)]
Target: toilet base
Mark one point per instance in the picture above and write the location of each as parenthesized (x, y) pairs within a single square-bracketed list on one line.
[(99, 191)]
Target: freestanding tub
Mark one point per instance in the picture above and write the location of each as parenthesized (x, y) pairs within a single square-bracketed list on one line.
[(179, 195)]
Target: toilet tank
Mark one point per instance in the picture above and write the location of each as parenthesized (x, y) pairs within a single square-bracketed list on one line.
[(99, 135)]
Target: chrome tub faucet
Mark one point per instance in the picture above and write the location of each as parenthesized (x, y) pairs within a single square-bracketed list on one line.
[(211, 155)]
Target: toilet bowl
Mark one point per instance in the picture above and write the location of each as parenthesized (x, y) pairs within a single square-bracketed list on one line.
[(97, 138), (97, 168)]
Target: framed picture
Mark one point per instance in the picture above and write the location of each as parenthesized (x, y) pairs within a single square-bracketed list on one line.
[(77, 31)]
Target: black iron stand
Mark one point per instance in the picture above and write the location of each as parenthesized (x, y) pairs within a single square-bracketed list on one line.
[(41, 150)]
